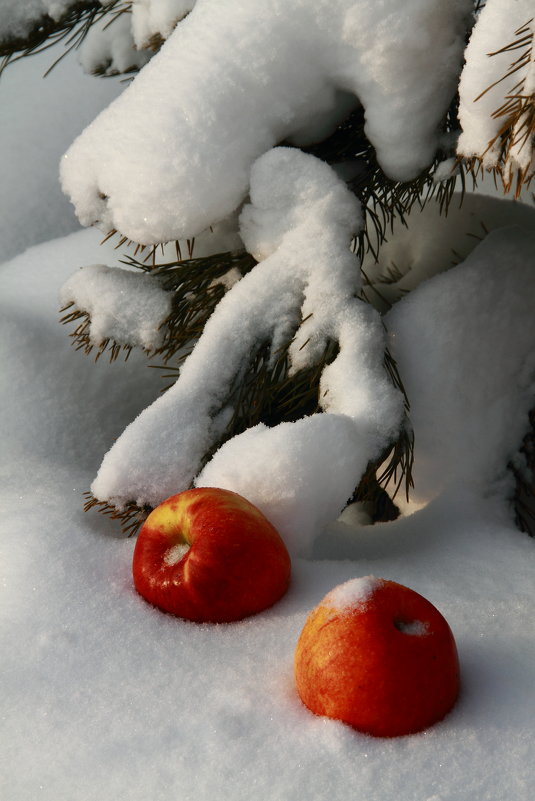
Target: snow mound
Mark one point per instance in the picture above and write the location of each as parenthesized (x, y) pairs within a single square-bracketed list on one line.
[(465, 346)]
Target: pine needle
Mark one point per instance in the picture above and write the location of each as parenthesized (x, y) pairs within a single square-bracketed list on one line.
[(131, 517), (384, 200)]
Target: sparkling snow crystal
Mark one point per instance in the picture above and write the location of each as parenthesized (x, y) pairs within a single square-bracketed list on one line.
[(172, 154)]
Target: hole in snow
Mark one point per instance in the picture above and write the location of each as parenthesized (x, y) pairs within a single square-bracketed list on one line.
[(175, 554), (414, 627)]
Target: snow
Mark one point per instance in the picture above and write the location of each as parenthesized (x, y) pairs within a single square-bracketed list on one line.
[(427, 243), (251, 77), (352, 594), (300, 475), (176, 553), (105, 697)]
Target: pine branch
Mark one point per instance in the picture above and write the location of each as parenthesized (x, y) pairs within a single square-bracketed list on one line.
[(82, 341), (71, 29), (383, 199), (197, 286), (516, 114)]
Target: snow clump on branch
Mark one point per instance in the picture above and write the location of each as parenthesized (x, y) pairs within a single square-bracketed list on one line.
[(172, 154), (123, 306), (300, 222)]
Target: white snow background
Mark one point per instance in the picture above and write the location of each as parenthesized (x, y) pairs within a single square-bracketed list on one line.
[(105, 698)]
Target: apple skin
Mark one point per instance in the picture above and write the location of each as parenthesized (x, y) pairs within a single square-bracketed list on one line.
[(386, 664), (236, 564)]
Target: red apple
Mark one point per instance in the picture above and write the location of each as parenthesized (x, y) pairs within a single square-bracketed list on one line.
[(378, 656), (209, 555)]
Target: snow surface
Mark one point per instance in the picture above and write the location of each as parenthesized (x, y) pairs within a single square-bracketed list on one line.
[(39, 117), (237, 77), (106, 698), (427, 242)]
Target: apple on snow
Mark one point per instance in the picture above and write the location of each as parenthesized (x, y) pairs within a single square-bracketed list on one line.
[(378, 656), (208, 555)]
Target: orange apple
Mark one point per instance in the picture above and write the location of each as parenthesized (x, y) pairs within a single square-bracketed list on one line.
[(378, 656), (209, 555)]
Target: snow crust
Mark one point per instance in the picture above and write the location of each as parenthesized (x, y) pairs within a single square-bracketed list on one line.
[(106, 698), (300, 222), (234, 79), (489, 77), (127, 307)]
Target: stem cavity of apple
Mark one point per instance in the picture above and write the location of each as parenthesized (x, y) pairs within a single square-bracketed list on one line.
[(416, 628)]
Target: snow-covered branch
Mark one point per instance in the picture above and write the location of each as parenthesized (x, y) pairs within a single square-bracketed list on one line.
[(237, 77), (497, 91), (300, 222)]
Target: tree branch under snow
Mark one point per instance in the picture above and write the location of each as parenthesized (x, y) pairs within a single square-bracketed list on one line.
[(236, 78), (497, 92), (300, 222)]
